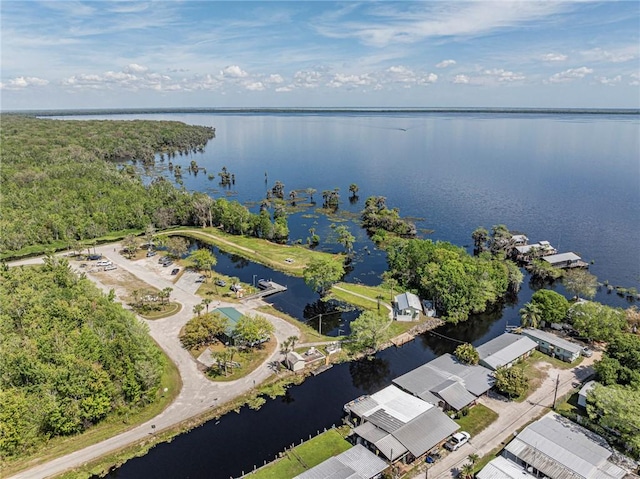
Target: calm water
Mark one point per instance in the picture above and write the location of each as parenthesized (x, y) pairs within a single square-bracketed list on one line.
[(571, 179)]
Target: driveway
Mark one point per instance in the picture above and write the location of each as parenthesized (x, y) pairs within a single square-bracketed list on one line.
[(198, 394)]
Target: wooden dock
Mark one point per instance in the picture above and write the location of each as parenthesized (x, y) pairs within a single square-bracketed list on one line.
[(273, 288)]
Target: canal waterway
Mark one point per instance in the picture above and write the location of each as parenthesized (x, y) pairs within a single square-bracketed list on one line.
[(573, 180)]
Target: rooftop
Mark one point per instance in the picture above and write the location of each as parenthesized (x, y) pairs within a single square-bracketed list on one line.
[(561, 258), (501, 468), (393, 401), (504, 349), (355, 463), (408, 300), (552, 339)]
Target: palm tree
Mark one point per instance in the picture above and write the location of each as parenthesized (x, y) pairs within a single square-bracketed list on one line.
[(198, 309), (310, 192), (530, 315), (206, 302), (466, 471), (353, 188), (473, 458)]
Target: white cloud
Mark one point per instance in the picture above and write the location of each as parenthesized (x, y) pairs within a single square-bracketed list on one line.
[(461, 79), (284, 89), (254, 86), (274, 79), (619, 55), (570, 75), (307, 78), (634, 79), (445, 63), (350, 81), (502, 75), (20, 83), (135, 68), (438, 19), (554, 57), (402, 74), (610, 81), (233, 71)]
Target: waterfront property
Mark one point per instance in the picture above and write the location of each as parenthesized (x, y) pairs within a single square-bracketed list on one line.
[(399, 426), (355, 463), (565, 260), (526, 252), (556, 448), (553, 345), (519, 240), (406, 307), (505, 350), (447, 383), (297, 362)]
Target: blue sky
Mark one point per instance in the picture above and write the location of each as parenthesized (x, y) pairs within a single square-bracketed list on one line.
[(98, 54)]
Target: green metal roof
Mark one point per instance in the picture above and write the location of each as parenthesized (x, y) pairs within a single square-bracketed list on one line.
[(232, 314)]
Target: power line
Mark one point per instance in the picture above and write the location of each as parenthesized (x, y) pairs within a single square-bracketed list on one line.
[(447, 337)]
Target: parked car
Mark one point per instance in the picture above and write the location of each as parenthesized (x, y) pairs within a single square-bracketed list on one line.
[(236, 287), (151, 253), (110, 267), (200, 279), (458, 440), (167, 263), (94, 257), (164, 259), (105, 262), (175, 271), (221, 282), (586, 352)]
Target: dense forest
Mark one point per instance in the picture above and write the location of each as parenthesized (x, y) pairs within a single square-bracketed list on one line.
[(60, 182), (69, 356)]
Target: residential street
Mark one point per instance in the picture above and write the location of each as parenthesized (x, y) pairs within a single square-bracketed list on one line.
[(512, 416), (198, 394)]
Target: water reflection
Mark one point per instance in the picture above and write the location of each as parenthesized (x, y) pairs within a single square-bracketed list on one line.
[(370, 374)]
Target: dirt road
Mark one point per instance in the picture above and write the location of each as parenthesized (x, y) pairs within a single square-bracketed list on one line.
[(198, 394)]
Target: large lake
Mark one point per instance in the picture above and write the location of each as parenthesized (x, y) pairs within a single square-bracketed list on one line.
[(571, 179)]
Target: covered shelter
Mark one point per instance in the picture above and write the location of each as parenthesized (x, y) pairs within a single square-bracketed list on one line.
[(233, 316), (505, 350), (294, 361)]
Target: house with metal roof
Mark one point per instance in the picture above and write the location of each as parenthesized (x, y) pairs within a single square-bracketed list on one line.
[(355, 463), (406, 307), (505, 350), (560, 449), (565, 260), (553, 345), (397, 425), (501, 468), (447, 382), (584, 392)]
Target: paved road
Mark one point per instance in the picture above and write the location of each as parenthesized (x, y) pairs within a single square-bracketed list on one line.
[(512, 416), (198, 394)]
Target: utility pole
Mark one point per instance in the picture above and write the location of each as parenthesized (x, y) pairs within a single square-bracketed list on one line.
[(320, 324), (555, 394)]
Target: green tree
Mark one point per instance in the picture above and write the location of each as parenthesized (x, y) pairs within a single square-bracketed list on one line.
[(353, 189), (130, 245), (345, 238), (543, 271), (467, 354), (370, 330), (203, 330), (530, 315), (466, 471), (203, 259), (597, 321), (321, 273), (480, 238), (252, 330), (580, 282), (616, 407), (553, 306), (620, 363), (177, 246), (197, 309), (511, 381)]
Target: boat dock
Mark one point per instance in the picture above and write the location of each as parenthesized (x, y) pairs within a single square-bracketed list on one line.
[(267, 289)]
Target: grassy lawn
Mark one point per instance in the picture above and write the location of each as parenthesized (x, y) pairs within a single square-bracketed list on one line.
[(398, 327), (555, 362), (286, 258), (478, 419), (169, 310), (309, 335), (371, 292), (113, 426), (248, 359), (305, 456)]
